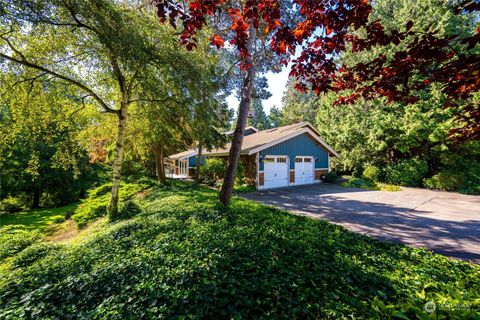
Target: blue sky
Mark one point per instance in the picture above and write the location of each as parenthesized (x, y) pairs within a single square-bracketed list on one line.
[(276, 83)]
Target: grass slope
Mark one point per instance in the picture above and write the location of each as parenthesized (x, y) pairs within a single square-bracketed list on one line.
[(187, 257), (37, 219)]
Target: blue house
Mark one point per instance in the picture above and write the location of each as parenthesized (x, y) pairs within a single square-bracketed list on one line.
[(280, 157)]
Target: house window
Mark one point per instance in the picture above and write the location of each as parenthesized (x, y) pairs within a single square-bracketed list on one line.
[(282, 160), (269, 160), (307, 160), (298, 160)]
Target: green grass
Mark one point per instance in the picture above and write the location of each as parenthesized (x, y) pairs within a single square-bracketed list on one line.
[(186, 257), (37, 219)]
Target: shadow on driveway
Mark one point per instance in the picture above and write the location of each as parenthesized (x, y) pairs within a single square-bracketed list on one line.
[(446, 223)]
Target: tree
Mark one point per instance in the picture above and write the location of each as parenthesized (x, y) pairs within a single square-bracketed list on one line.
[(42, 157), (101, 47), (275, 117), (297, 106), (260, 119)]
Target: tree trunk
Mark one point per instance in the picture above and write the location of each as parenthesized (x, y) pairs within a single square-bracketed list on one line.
[(160, 170), (237, 140), (199, 156), (118, 160), (36, 199)]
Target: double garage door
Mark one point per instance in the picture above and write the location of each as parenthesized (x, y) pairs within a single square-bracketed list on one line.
[(276, 171)]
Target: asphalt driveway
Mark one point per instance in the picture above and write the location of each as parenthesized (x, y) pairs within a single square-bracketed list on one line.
[(445, 222)]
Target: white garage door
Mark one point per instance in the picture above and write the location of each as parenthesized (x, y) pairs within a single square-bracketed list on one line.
[(303, 170), (275, 172)]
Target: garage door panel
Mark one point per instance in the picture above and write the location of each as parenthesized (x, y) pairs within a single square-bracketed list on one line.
[(304, 170), (275, 172)]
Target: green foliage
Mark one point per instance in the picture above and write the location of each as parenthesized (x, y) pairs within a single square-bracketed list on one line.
[(11, 205), (33, 253), (447, 180), (388, 187), (330, 177), (260, 120), (128, 210), (240, 176), (212, 170), (189, 257), (408, 173), (360, 183), (14, 240), (95, 205), (372, 173)]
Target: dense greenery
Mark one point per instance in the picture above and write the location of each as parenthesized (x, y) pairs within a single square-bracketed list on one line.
[(185, 256), (396, 137)]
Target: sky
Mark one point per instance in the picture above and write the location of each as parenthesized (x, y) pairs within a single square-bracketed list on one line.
[(277, 83)]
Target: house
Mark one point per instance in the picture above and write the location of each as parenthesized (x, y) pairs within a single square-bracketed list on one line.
[(279, 157)]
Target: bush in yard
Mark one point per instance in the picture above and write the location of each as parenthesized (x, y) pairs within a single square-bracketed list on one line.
[(32, 253), (95, 205), (373, 173), (128, 209), (11, 205), (447, 180), (212, 171), (463, 177), (15, 240), (360, 183), (330, 177), (409, 173)]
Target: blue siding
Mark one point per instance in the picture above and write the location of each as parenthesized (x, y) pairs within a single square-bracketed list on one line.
[(301, 145), (192, 161)]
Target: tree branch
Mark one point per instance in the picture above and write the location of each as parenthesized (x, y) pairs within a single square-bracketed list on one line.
[(156, 100), (62, 77)]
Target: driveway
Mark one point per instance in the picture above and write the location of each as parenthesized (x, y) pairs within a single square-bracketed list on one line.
[(445, 222)]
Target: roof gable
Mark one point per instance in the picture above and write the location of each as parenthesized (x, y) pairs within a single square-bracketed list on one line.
[(256, 142)]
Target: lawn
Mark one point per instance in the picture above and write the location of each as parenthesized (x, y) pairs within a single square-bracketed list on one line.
[(186, 257), (37, 219)]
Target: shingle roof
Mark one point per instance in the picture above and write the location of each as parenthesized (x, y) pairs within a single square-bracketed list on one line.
[(184, 154), (264, 138)]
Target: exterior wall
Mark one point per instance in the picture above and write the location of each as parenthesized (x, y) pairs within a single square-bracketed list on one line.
[(319, 173), (192, 161), (249, 164), (302, 145)]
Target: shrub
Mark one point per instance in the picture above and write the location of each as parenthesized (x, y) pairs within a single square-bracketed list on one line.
[(212, 170), (410, 172), (389, 187), (95, 205), (129, 209), (33, 253), (13, 241), (446, 180), (11, 205), (360, 183), (372, 172), (330, 177)]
